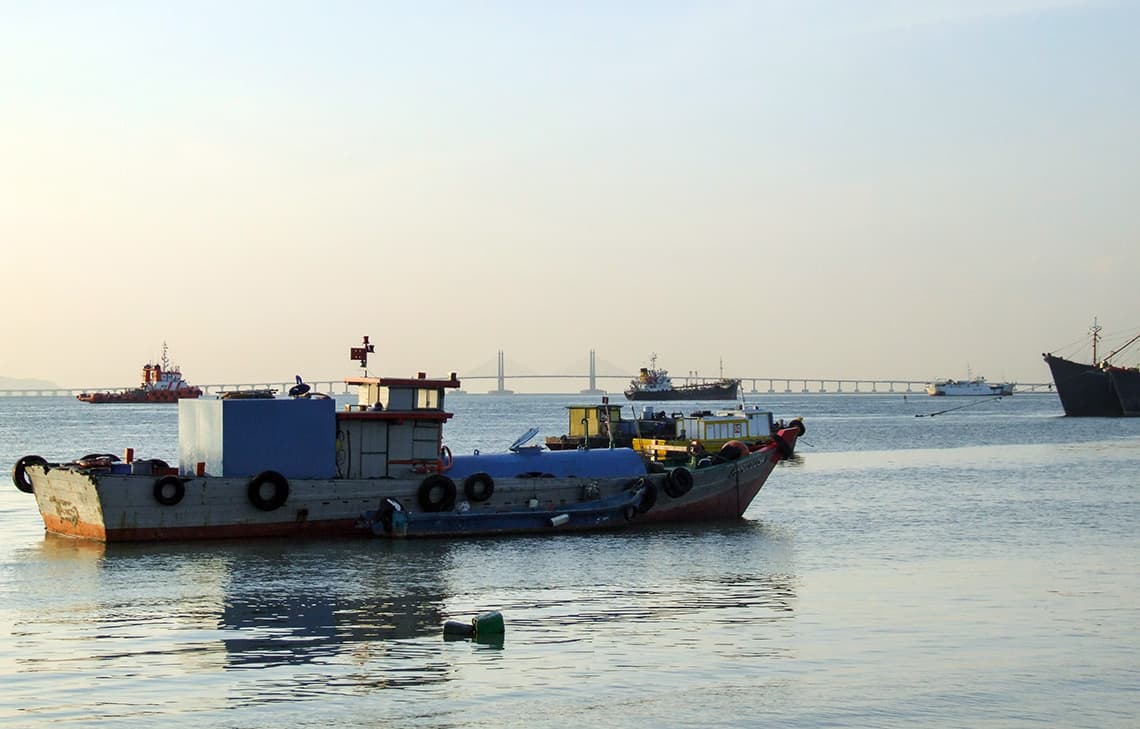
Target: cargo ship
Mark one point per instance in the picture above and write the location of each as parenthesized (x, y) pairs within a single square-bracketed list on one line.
[(1098, 389), (655, 384)]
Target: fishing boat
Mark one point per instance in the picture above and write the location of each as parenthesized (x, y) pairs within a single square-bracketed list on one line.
[(656, 384), (972, 387), (298, 467), (604, 426), (660, 434), (161, 382), (1100, 388)]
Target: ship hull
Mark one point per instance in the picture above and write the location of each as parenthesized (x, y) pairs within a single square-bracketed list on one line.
[(1126, 383), (104, 505), (969, 389), (687, 392), (1089, 391), (152, 396)]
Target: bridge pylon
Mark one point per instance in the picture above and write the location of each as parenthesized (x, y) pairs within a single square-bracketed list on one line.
[(502, 379), (593, 388)]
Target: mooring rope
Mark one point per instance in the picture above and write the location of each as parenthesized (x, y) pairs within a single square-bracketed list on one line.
[(948, 410)]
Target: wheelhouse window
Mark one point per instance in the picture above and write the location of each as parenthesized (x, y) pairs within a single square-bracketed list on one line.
[(429, 399)]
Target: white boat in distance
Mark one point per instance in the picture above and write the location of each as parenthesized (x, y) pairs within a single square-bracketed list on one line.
[(976, 386)]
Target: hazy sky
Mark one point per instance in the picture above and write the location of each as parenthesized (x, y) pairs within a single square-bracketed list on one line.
[(827, 188)]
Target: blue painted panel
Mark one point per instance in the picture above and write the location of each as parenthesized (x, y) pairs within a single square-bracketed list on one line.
[(593, 463), (296, 438)]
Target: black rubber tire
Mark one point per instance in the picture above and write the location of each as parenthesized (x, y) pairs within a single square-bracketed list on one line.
[(649, 499), (20, 472), (280, 490), (175, 496), (678, 482), (437, 493), (479, 487)]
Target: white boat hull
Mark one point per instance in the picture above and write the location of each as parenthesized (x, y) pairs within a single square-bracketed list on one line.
[(969, 389)]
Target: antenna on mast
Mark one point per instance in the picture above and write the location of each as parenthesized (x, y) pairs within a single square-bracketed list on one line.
[(1094, 330)]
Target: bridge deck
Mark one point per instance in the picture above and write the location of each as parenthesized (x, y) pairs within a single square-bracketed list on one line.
[(750, 385)]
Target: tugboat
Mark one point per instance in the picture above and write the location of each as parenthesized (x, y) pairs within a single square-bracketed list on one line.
[(654, 384), (160, 383)]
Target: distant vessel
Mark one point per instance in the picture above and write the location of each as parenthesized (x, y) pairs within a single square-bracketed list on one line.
[(1100, 389), (160, 383), (656, 384), (973, 386)]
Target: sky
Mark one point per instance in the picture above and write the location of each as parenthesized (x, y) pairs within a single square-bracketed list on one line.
[(882, 189)]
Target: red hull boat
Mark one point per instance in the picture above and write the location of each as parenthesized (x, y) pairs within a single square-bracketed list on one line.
[(160, 383)]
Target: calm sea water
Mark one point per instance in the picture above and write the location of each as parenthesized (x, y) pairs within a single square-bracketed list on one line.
[(973, 568)]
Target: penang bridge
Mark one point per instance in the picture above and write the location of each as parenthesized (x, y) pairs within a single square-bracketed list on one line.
[(750, 385)]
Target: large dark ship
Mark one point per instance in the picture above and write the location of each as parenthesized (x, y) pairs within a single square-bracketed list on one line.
[(656, 385), (1101, 389)]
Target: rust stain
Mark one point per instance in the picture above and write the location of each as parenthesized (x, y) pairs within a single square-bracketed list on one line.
[(66, 511)]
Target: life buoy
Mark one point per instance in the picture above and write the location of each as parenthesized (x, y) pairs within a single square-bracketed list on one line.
[(446, 461), (169, 490), (437, 493), (479, 486), (20, 472), (678, 482), (277, 498), (696, 449)]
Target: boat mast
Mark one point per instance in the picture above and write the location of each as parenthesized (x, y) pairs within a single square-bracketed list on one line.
[(1094, 332)]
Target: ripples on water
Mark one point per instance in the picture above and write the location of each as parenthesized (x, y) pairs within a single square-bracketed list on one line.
[(971, 568)]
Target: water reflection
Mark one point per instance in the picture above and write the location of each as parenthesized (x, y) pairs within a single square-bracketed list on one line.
[(348, 617)]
